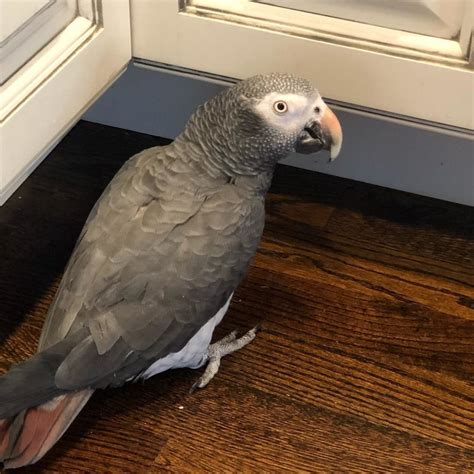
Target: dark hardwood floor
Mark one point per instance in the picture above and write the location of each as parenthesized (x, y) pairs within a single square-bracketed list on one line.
[(365, 361)]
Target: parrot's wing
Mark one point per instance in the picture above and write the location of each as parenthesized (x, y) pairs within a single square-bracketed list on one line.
[(145, 277), (111, 211)]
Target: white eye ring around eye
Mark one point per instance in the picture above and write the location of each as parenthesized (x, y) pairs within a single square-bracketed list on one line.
[(280, 107)]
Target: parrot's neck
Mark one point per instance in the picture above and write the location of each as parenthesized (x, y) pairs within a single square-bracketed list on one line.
[(227, 140), (210, 162)]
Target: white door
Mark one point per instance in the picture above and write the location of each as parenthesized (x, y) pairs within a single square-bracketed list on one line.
[(56, 57), (408, 58)]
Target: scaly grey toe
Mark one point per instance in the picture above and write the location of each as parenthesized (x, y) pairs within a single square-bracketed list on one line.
[(219, 349)]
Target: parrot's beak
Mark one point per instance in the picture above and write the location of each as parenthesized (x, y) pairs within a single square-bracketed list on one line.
[(321, 133)]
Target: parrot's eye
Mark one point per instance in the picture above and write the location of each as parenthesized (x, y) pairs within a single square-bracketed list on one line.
[(280, 107), (317, 110)]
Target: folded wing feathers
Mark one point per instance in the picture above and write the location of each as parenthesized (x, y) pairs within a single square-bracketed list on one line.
[(149, 271)]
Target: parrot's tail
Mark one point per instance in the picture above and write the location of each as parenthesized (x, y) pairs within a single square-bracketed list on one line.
[(34, 412), (26, 437)]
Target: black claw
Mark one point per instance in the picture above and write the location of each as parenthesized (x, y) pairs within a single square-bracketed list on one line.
[(194, 386), (258, 327)]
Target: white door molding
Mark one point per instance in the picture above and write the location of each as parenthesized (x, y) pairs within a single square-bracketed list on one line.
[(44, 98), (401, 73)]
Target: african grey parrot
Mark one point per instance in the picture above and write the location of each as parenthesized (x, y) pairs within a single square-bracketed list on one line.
[(158, 260)]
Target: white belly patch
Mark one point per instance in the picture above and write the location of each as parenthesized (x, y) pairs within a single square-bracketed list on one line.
[(193, 354)]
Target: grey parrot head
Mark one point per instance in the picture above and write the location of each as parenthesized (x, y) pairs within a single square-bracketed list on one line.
[(259, 121)]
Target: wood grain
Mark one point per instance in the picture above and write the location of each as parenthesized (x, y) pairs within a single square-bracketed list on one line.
[(365, 361)]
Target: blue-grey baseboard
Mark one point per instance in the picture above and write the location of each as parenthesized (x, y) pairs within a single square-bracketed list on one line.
[(376, 150)]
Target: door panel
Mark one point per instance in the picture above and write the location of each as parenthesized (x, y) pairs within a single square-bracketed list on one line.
[(404, 74), (27, 26), (46, 95), (440, 19), (13, 16)]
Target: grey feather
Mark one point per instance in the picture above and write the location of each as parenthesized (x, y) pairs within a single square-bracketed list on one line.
[(105, 331)]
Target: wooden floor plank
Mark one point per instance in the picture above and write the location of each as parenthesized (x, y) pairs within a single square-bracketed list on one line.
[(365, 361), (360, 325), (277, 434)]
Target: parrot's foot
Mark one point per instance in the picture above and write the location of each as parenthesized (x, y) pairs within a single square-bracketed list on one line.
[(219, 349)]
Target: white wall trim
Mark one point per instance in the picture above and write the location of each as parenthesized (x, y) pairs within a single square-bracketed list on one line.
[(44, 98), (22, 175), (243, 38)]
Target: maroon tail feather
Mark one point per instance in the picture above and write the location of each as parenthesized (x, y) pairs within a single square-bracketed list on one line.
[(4, 435), (26, 438)]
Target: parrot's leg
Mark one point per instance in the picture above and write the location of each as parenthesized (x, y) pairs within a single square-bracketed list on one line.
[(219, 349)]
